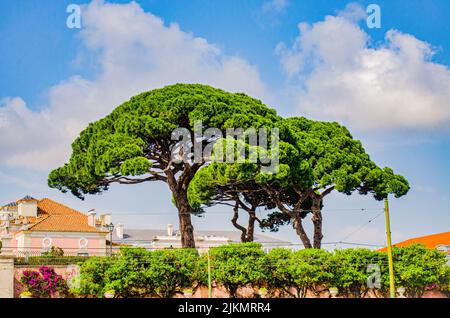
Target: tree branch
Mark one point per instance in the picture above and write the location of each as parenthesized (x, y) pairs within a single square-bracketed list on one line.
[(327, 191)]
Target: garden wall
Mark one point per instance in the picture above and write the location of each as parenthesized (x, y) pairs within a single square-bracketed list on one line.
[(137, 272), (68, 271), (6, 276), (248, 292)]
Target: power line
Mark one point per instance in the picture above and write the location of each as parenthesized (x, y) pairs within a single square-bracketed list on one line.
[(361, 227), (274, 244), (230, 211)]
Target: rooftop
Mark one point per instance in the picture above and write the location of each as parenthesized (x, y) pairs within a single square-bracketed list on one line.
[(27, 198), (10, 205), (148, 235), (430, 241), (53, 216)]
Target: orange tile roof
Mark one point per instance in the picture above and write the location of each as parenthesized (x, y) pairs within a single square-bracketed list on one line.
[(56, 217), (430, 241)]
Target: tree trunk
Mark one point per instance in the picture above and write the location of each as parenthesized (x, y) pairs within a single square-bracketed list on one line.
[(251, 226), (184, 217), (317, 221), (237, 225), (301, 231)]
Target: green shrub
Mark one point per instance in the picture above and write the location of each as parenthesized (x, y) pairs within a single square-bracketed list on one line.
[(349, 270), (417, 269), (137, 272), (170, 271), (303, 270), (238, 265), (49, 260), (279, 277), (92, 277), (125, 274), (140, 273), (310, 268), (54, 252)]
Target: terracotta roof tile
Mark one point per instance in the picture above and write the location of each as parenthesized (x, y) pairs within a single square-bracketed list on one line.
[(430, 241), (56, 217)]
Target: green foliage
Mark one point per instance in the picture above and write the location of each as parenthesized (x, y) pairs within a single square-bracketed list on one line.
[(279, 276), (274, 220), (54, 252), (135, 139), (217, 176), (171, 271), (238, 265), (50, 260), (141, 273), (303, 270), (137, 272), (338, 160), (314, 156), (92, 277), (350, 270), (125, 274), (310, 268), (418, 268)]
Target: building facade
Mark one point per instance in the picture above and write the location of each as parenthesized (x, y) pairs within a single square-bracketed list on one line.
[(31, 227), (154, 239)]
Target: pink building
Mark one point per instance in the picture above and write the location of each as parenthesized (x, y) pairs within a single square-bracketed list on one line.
[(30, 227)]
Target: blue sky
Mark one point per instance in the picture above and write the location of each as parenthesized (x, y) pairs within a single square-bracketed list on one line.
[(390, 86)]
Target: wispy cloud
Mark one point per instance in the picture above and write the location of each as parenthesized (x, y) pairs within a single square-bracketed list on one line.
[(268, 15), (277, 6)]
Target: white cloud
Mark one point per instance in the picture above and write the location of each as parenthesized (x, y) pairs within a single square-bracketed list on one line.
[(133, 51), (24, 133), (277, 6), (338, 74)]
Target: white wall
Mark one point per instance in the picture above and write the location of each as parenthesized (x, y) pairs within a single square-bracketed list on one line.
[(28, 208), (6, 277)]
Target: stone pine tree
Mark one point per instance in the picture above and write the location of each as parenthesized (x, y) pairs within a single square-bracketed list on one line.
[(339, 163), (233, 184), (316, 158), (133, 143), (206, 191), (245, 186)]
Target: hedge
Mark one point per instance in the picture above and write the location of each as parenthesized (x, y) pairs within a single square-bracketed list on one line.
[(50, 260), (137, 272)]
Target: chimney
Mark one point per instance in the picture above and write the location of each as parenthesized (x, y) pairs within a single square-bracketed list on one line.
[(91, 217), (169, 229), (27, 206), (106, 219), (25, 224), (119, 230)]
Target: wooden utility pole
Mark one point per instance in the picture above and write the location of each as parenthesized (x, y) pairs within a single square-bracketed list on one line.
[(389, 249), (209, 276)]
